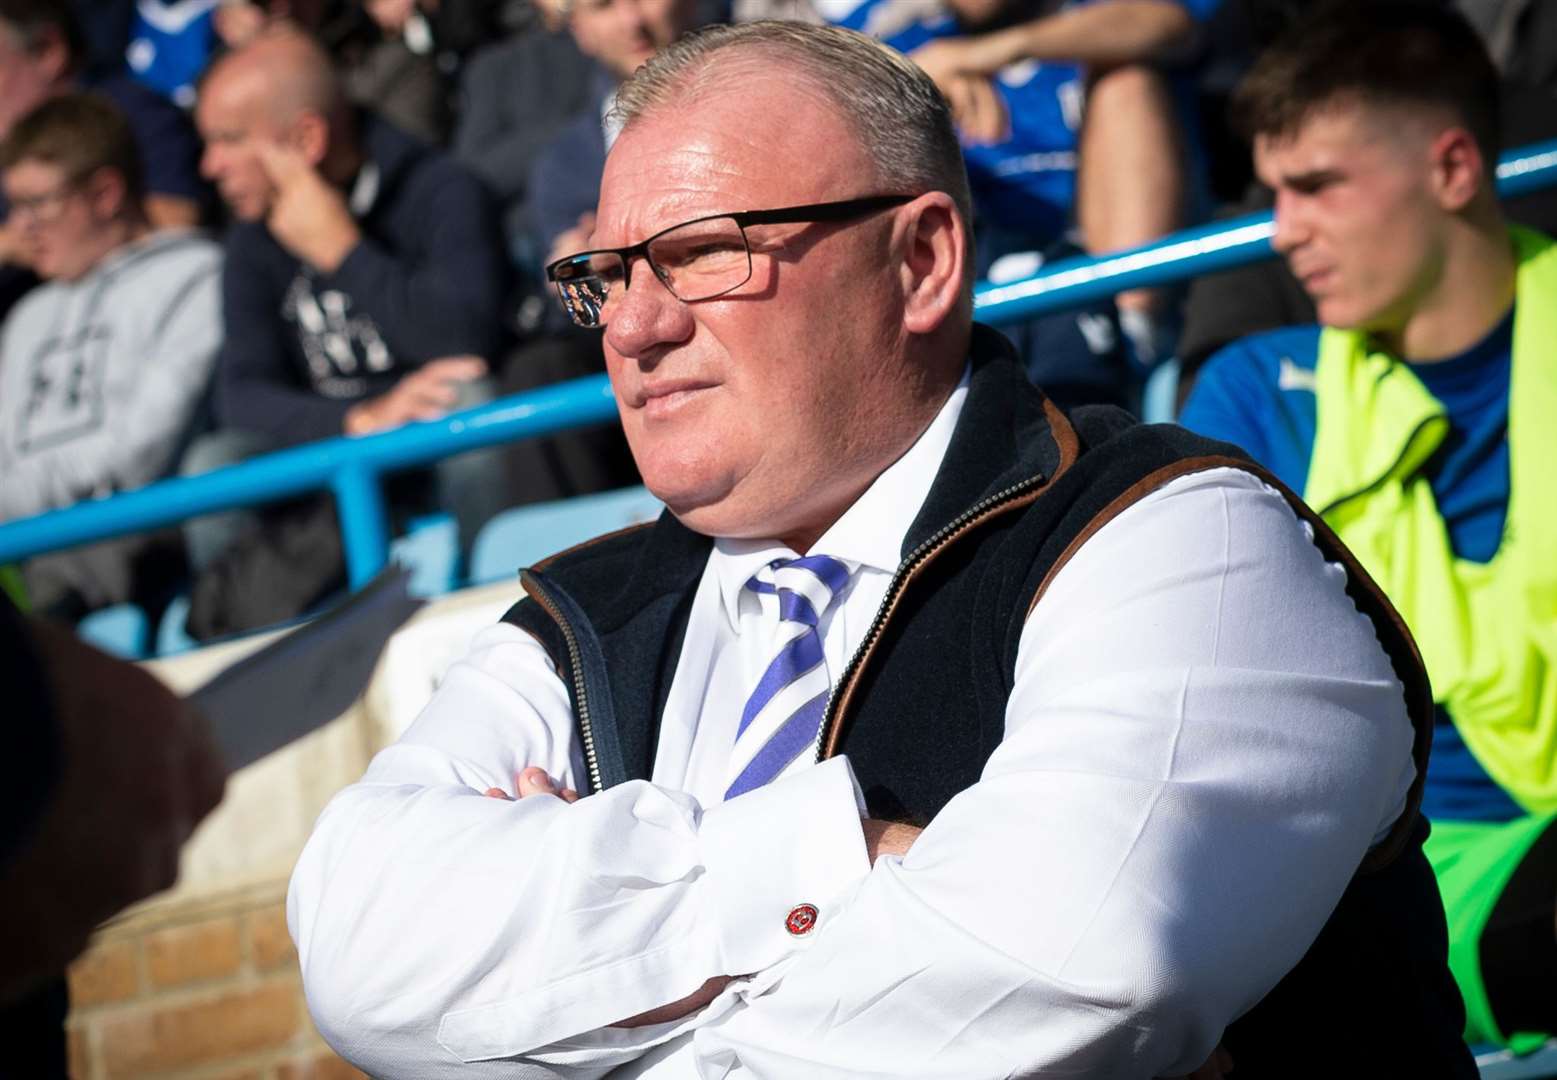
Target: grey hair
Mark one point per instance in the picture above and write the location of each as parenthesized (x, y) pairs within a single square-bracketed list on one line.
[(903, 122)]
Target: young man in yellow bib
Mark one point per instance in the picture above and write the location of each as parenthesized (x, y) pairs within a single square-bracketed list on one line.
[(1418, 421)]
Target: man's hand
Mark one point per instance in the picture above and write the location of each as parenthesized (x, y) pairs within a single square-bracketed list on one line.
[(957, 69), (943, 59), (308, 216), (139, 772), (979, 110), (532, 781), (13, 251), (425, 394)]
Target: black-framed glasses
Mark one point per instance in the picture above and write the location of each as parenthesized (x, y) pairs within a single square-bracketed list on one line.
[(696, 260)]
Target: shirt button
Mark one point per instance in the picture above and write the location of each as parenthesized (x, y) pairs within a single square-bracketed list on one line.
[(801, 919)]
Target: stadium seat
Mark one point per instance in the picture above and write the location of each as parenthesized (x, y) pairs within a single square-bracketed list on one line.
[(430, 549), (122, 630), (1504, 1065), (1159, 398), (527, 534), (172, 637)]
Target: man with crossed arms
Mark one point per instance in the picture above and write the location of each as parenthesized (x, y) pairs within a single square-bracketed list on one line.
[(1139, 708)]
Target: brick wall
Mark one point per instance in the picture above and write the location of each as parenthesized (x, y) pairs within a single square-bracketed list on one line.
[(203, 990), (201, 983)]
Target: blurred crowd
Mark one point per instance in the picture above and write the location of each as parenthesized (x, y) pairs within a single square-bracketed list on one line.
[(233, 227)]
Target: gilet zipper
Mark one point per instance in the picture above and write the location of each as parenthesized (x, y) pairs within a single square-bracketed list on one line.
[(922, 554), (576, 666)]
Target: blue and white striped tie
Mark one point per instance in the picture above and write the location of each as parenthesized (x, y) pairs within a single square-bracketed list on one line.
[(782, 716)]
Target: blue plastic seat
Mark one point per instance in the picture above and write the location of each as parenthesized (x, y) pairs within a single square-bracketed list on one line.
[(430, 549), (172, 636), (122, 630), (1502, 1065), (527, 534)]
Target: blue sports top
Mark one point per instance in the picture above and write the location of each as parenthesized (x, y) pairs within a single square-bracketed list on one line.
[(1026, 184), (1259, 394)]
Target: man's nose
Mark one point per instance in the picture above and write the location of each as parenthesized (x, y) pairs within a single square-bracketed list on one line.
[(209, 162), (1292, 228), (631, 16), (646, 317)]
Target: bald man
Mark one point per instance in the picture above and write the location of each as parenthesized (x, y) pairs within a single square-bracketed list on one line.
[(380, 254), (364, 278)]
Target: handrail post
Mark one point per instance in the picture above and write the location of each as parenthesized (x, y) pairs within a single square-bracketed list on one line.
[(364, 521)]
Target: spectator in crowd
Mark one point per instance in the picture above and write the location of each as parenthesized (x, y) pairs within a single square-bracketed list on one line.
[(105, 776), (376, 252), (41, 55), (393, 64), (1068, 119), (617, 36), (1410, 420), (852, 468), (1522, 40), (1071, 129), (104, 368), (363, 282), (514, 97)]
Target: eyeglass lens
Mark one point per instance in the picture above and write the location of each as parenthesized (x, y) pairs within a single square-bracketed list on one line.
[(41, 208), (696, 261)]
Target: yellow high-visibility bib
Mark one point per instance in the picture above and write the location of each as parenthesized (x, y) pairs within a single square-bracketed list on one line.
[(1487, 631)]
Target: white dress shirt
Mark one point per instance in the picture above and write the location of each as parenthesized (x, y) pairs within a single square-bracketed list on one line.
[(1203, 740)]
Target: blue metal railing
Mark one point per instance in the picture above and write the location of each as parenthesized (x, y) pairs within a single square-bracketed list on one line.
[(353, 468)]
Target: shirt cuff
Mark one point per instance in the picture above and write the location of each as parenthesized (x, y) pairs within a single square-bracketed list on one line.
[(782, 861)]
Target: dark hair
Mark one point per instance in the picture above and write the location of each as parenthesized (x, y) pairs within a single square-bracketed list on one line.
[(80, 134), (1375, 52), (30, 19)]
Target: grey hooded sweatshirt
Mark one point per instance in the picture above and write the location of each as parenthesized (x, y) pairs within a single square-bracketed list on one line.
[(101, 378), (101, 382)]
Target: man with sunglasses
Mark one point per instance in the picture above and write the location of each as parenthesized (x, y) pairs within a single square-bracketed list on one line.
[(931, 732)]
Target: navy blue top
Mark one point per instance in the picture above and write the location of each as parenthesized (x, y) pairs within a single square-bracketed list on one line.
[(426, 281), (1259, 394), (168, 145)]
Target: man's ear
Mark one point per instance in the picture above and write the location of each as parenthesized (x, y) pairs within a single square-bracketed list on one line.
[(1459, 172), (107, 191), (52, 54), (310, 137), (933, 270)]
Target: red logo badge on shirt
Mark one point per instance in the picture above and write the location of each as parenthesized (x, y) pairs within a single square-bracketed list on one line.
[(801, 920)]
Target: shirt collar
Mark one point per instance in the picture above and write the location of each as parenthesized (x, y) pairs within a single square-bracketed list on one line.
[(870, 533)]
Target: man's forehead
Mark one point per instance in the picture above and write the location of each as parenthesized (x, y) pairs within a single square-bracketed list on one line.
[(1347, 132), (772, 148), (29, 174)]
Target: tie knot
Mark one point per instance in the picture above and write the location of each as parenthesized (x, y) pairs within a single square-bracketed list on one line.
[(804, 586)]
